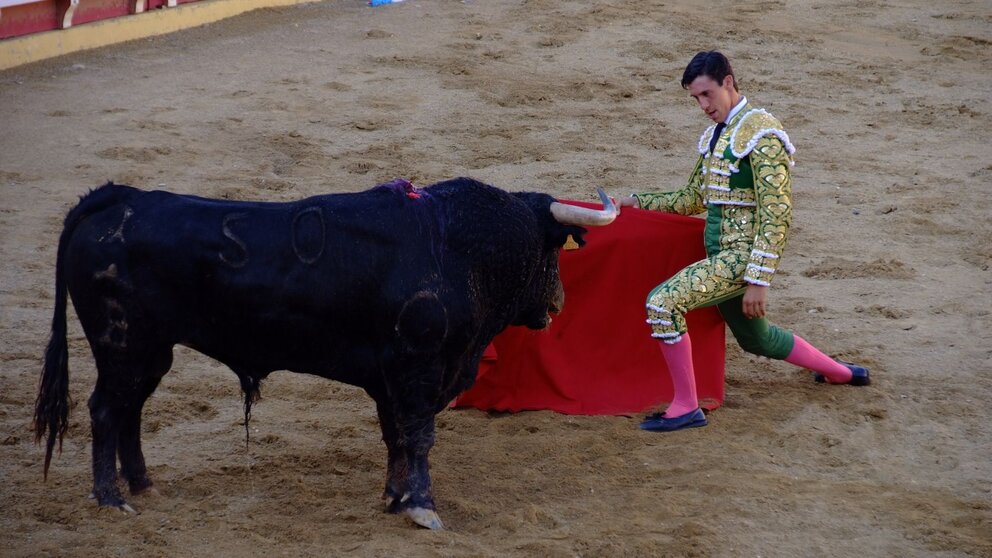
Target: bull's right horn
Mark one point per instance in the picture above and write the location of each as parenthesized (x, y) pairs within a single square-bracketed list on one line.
[(583, 216)]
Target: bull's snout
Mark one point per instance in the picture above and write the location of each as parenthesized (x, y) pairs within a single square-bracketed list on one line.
[(557, 302)]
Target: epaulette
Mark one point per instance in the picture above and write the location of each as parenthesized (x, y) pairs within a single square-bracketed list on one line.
[(754, 125)]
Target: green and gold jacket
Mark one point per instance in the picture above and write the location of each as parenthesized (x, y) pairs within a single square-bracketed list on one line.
[(745, 188)]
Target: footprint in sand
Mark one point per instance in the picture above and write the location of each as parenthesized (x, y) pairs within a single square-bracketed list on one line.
[(839, 268)]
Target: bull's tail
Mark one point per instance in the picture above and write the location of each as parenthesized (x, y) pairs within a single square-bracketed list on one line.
[(51, 412)]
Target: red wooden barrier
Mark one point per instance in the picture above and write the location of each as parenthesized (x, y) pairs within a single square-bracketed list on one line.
[(24, 17)]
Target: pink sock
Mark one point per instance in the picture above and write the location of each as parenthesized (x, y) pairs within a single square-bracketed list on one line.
[(678, 357), (806, 355)]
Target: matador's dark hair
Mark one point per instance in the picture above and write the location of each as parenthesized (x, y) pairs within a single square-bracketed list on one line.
[(710, 63)]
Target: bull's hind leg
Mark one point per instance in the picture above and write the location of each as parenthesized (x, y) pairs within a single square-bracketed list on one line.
[(105, 422), (129, 440), (122, 388)]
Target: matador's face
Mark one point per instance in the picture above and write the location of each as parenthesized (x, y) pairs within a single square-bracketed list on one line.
[(715, 98)]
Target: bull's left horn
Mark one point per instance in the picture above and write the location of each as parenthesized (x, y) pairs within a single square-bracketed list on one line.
[(575, 215)]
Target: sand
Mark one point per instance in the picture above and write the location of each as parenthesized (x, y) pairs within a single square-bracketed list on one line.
[(887, 102)]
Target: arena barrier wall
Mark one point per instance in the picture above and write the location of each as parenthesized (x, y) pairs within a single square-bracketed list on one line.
[(34, 30)]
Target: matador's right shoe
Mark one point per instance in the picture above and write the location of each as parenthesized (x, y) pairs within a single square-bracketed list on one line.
[(859, 375)]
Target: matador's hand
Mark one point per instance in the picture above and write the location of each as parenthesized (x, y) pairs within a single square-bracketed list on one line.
[(627, 201), (755, 301)]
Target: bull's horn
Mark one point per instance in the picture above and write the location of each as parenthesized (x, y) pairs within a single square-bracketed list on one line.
[(575, 215)]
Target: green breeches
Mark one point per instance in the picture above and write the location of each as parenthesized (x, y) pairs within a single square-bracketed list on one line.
[(714, 280), (755, 335)]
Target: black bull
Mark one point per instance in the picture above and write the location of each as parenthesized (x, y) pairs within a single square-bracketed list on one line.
[(396, 290)]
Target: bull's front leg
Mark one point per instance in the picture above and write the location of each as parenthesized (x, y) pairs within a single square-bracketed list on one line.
[(407, 406), (408, 432), (416, 438), (396, 468)]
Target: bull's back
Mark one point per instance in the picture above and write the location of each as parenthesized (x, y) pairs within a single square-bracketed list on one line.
[(272, 285)]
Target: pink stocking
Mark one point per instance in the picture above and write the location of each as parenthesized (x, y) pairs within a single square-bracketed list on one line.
[(678, 357), (806, 355)]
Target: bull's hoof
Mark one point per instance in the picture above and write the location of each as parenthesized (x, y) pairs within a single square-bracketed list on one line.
[(113, 502), (424, 517), (392, 501), (124, 508)]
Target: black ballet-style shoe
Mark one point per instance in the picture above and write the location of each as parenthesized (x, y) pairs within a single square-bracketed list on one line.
[(658, 422), (859, 375)]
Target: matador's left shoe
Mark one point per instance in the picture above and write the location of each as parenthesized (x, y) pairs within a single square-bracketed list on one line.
[(658, 422), (859, 375)]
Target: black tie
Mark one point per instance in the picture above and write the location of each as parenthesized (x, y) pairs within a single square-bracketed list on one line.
[(716, 135)]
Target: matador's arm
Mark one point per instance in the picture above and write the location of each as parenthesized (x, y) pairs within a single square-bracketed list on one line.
[(685, 201), (771, 166)]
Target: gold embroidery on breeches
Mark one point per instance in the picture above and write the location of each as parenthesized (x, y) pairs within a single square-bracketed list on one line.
[(703, 283)]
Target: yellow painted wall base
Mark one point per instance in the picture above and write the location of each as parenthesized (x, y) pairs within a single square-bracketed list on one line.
[(40, 46)]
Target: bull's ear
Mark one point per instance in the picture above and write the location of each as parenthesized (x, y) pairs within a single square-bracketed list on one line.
[(569, 237)]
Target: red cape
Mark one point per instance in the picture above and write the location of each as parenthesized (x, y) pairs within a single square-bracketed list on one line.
[(598, 356)]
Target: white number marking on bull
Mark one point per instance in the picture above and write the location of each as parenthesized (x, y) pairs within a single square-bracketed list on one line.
[(109, 274), (118, 233), (228, 233), (305, 224)]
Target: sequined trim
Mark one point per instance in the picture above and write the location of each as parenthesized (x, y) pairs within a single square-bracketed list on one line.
[(716, 183), (761, 268), (733, 202), (780, 134), (764, 254), (704, 140), (670, 338), (658, 309), (659, 322), (757, 282)]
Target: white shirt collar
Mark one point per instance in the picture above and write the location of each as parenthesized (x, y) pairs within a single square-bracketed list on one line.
[(733, 112)]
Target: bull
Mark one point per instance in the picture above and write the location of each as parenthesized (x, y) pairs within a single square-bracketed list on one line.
[(396, 290)]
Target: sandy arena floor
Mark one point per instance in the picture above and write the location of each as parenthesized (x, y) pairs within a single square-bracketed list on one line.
[(887, 102)]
